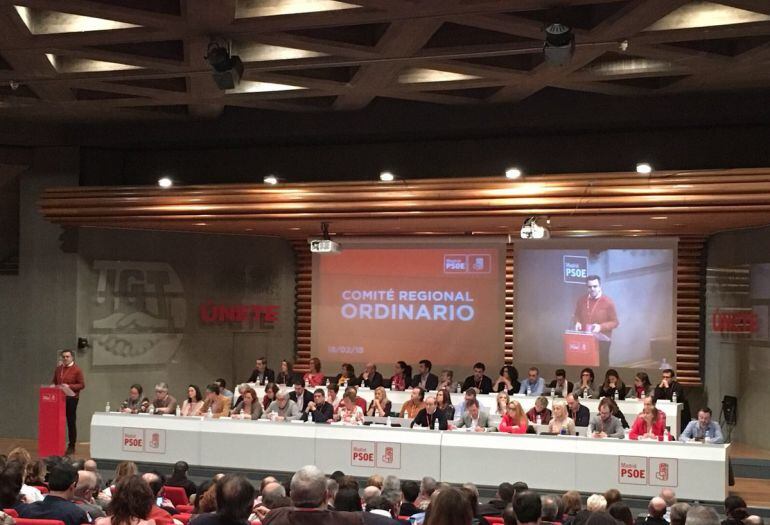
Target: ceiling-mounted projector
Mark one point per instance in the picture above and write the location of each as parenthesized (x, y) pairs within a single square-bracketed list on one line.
[(532, 230), (324, 246)]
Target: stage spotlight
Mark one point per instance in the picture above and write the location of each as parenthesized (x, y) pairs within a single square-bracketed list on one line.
[(513, 173), (559, 44), (643, 168), (270, 179), (387, 176), (165, 182), (228, 69), (532, 230)]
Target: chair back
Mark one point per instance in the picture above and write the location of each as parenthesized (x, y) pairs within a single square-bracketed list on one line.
[(176, 495)]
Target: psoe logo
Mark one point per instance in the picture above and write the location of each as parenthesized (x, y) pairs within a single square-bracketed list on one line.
[(455, 263), (362, 453), (480, 263)]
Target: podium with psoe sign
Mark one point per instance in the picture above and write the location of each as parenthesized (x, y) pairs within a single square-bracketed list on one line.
[(580, 348), (51, 421)]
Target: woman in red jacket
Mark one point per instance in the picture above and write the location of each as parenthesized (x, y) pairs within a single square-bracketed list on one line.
[(650, 424), (514, 421)]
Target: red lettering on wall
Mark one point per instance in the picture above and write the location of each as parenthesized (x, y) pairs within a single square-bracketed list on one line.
[(734, 321), (263, 315)]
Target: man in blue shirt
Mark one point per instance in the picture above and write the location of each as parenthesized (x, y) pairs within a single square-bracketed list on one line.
[(534, 384), (62, 480), (703, 429)]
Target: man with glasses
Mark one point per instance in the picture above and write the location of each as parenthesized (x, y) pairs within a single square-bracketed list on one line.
[(164, 403), (534, 384), (261, 373), (605, 424), (667, 388), (595, 313), (69, 375)]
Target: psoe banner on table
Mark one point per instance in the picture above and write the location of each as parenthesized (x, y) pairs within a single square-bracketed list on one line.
[(373, 454), (638, 470), (151, 440)]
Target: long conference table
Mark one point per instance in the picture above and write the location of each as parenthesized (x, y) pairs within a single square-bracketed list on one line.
[(487, 403), (551, 463)]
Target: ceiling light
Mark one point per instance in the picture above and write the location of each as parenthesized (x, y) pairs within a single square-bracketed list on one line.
[(165, 182), (270, 179), (659, 218), (228, 69), (559, 44), (513, 173), (387, 176), (644, 168)]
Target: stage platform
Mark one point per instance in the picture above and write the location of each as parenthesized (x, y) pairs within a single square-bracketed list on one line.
[(755, 490)]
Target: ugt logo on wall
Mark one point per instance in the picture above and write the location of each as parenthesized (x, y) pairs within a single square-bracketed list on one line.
[(137, 313)]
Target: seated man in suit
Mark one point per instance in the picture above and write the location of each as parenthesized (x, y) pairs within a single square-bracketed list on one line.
[(579, 413), (560, 385), (318, 410), (261, 374), (656, 510), (473, 418), (430, 415), (425, 379), (370, 378), (219, 404), (57, 504), (478, 380), (301, 397)]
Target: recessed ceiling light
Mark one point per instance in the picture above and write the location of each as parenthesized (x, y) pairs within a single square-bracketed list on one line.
[(513, 173), (270, 179), (644, 168), (165, 182), (294, 229), (659, 218), (387, 176), (200, 224)]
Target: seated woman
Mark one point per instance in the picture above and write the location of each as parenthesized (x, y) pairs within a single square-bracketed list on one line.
[(642, 386), (286, 375), (331, 396), (446, 380), (135, 403), (612, 385), (540, 410), (561, 423), (444, 403), (349, 412), (585, 387), (514, 421), (271, 389), (131, 503), (347, 375), (650, 424), (495, 416), (380, 405), (508, 381), (315, 377), (248, 407), (194, 403), (402, 376)]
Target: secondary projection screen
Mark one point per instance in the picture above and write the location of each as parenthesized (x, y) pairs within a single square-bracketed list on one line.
[(633, 323), (409, 300)]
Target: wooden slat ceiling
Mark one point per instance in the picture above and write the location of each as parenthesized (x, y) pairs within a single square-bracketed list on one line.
[(666, 203), (94, 59)]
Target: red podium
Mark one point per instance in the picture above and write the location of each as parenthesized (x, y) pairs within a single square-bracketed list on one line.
[(51, 422), (580, 348)]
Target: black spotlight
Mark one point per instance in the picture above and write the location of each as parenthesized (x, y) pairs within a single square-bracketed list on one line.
[(559, 44), (83, 343), (228, 69)]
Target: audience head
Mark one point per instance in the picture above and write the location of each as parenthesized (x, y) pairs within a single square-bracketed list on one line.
[(611, 376), (62, 478), (505, 492), (657, 507), (221, 383), (668, 495), (519, 486), (533, 374), (249, 396), (424, 366), (735, 507), (642, 379), (427, 486), (470, 394), (443, 398), (527, 507), (155, 482), (212, 391), (516, 412), (450, 506), (375, 480), (161, 391), (261, 364), (272, 493), (131, 499), (315, 365), (123, 469), (478, 371), (502, 400), (371, 492), (754, 520), (308, 487), (612, 496), (509, 372), (621, 512), (700, 515), (11, 480), (194, 394), (235, 497), (572, 502), (86, 485), (704, 416), (549, 505), (596, 503), (347, 370), (410, 490), (286, 366), (587, 374), (560, 374), (572, 401), (21, 456), (271, 390), (347, 500), (417, 394), (559, 408), (337, 475), (472, 408), (331, 490), (679, 513), (430, 404)]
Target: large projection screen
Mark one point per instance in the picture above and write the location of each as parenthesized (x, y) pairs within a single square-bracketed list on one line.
[(637, 276), (387, 300)]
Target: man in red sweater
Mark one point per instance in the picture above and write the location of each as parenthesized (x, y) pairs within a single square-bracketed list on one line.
[(70, 375), (595, 312)]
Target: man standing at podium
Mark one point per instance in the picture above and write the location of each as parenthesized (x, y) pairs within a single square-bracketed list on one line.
[(70, 375), (595, 312)]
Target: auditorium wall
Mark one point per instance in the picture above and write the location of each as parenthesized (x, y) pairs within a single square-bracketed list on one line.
[(737, 353), (155, 306)]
